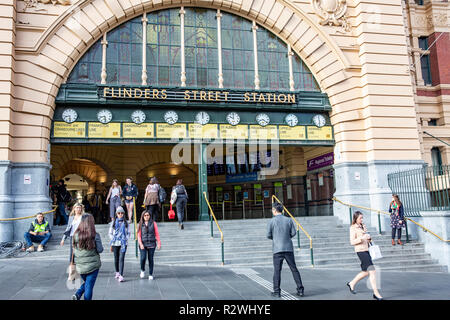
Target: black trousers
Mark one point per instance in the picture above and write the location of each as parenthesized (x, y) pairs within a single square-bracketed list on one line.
[(153, 209), (119, 259), (399, 233), (147, 252), (278, 264)]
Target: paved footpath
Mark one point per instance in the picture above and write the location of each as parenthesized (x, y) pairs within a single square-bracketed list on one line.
[(46, 280)]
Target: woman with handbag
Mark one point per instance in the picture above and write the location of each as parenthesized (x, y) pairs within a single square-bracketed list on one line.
[(87, 246), (119, 233), (151, 198), (114, 194), (360, 239), (130, 191), (148, 238), (397, 218), (74, 221), (180, 201)]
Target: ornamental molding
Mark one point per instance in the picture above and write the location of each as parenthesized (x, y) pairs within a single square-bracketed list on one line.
[(332, 13), (34, 3), (431, 20)]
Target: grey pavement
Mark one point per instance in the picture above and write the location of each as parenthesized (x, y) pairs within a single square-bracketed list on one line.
[(45, 279)]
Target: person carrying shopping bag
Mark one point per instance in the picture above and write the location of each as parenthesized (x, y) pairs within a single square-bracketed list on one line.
[(148, 238), (119, 233)]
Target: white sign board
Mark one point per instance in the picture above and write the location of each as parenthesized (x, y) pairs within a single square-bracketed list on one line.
[(27, 179)]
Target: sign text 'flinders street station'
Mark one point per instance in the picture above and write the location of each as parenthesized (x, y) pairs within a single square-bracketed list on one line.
[(195, 95)]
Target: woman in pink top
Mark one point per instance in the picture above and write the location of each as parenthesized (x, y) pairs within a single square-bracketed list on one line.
[(148, 238)]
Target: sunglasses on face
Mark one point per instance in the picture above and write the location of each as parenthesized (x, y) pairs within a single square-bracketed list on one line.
[(119, 213)]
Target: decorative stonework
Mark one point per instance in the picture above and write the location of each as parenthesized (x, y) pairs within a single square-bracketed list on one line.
[(332, 12), (34, 3)]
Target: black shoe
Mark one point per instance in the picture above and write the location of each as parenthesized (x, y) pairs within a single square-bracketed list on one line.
[(182, 227), (301, 292), (275, 294), (350, 288), (377, 298)]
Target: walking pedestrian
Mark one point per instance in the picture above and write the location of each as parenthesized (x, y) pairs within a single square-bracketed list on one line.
[(148, 238), (151, 198), (62, 197), (182, 198), (130, 191), (280, 230), (397, 218), (39, 231), (87, 246), (119, 233), (114, 194), (74, 222), (360, 239)]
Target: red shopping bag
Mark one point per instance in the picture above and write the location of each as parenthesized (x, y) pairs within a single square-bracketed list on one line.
[(171, 213)]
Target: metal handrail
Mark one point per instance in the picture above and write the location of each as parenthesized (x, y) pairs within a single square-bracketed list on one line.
[(299, 226), (135, 227), (385, 212), (212, 234), (29, 217)]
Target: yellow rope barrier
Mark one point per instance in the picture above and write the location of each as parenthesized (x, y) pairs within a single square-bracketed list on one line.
[(29, 217)]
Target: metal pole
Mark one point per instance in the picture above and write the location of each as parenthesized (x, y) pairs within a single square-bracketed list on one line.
[(406, 229), (243, 209), (223, 210), (298, 237), (223, 254), (312, 256), (212, 231), (350, 214), (264, 214), (379, 223), (135, 232)]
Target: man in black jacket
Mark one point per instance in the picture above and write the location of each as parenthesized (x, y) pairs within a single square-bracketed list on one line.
[(62, 196)]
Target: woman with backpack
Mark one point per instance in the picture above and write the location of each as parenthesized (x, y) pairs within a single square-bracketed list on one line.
[(87, 246), (119, 233), (114, 194), (181, 201), (148, 238), (151, 198)]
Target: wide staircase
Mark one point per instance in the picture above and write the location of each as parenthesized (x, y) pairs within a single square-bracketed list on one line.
[(246, 244)]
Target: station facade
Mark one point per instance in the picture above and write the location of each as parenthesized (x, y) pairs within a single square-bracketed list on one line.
[(242, 100)]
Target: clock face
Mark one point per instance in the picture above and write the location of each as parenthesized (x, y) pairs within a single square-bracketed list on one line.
[(104, 116), (171, 117), (233, 118), (263, 119), (69, 115), (202, 117), (319, 120), (291, 119), (138, 116)]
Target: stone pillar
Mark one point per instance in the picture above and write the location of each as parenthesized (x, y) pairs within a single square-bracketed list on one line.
[(6, 202)]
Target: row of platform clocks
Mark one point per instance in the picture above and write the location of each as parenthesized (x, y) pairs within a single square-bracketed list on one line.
[(202, 117)]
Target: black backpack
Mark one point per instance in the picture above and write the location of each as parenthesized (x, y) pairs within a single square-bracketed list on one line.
[(66, 196), (162, 194)]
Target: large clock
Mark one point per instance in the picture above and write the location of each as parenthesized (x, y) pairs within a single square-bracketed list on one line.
[(171, 117), (138, 116), (104, 116), (263, 119), (233, 118), (202, 117), (319, 120), (291, 119), (69, 115)]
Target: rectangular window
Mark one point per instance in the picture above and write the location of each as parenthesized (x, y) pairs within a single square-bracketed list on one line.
[(425, 61)]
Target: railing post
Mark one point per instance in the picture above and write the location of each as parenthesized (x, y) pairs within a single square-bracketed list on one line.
[(243, 209), (350, 214), (223, 254), (135, 231), (312, 256), (223, 209), (298, 237), (406, 229), (379, 223), (212, 229), (264, 214)]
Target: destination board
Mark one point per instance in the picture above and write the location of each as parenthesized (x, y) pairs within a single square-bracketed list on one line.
[(233, 132), (207, 131), (292, 133), (100, 130), (324, 133), (69, 130), (143, 130), (171, 131), (263, 133)]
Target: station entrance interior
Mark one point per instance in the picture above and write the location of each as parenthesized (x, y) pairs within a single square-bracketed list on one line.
[(90, 168)]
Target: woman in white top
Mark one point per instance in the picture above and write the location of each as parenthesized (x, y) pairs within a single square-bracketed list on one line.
[(72, 226), (115, 192), (151, 198)]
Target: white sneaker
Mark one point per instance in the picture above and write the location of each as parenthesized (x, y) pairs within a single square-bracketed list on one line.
[(150, 277), (142, 275)]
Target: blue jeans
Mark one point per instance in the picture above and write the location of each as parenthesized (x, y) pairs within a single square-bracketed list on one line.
[(62, 214), (181, 203), (29, 238), (114, 202), (87, 288)]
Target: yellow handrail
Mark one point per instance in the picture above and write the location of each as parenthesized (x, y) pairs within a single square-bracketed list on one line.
[(298, 226), (385, 212), (221, 233), (29, 217)]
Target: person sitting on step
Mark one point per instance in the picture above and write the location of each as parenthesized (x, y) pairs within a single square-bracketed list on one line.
[(39, 231)]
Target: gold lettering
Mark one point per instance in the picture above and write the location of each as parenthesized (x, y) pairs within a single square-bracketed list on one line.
[(135, 93), (282, 96), (217, 95), (195, 94), (261, 98), (268, 97), (186, 95), (246, 97), (127, 92), (226, 95), (210, 97), (164, 94), (147, 93), (120, 93), (202, 95), (112, 93), (291, 98), (105, 91), (254, 96), (155, 93)]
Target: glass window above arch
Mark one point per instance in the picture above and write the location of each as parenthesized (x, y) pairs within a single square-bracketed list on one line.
[(216, 53)]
